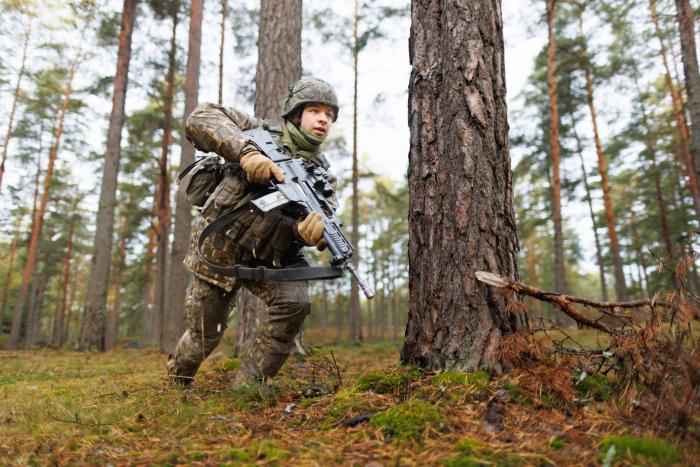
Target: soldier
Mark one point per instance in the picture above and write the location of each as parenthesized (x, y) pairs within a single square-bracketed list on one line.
[(273, 239)]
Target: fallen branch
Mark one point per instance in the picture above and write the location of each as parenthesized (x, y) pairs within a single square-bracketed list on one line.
[(564, 302)]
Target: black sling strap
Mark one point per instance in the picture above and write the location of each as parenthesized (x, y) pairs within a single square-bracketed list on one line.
[(260, 273)]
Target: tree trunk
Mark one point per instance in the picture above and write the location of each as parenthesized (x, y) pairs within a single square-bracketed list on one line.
[(589, 201), (163, 203), (279, 66), (149, 323), (69, 314), (355, 315), (338, 316), (686, 28), (324, 312), (620, 288), (57, 334), (685, 158), (112, 327), (224, 7), (15, 99), (458, 155), (8, 279), (279, 54), (37, 222), (637, 246), (93, 326), (179, 276)]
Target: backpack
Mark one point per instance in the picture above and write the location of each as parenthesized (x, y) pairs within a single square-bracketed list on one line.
[(200, 179)]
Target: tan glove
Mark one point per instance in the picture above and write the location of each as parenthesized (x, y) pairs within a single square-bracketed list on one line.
[(311, 230), (259, 168)]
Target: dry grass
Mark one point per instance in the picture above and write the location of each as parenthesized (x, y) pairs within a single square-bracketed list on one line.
[(116, 408)]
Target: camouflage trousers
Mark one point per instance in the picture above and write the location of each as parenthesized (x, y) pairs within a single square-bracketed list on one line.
[(206, 314)]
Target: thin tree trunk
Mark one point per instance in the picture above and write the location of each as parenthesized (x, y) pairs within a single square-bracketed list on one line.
[(57, 334), (685, 157), (71, 301), (355, 315), (93, 326), (8, 278), (589, 201), (149, 322), (179, 276), (37, 223), (112, 328), (686, 28), (163, 201), (224, 7), (324, 312), (620, 288), (15, 98), (559, 262)]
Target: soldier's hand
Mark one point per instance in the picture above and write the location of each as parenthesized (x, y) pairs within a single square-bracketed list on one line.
[(259, 169), (311, 230)]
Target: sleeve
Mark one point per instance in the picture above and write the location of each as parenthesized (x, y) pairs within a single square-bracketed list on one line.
[(211, 127)]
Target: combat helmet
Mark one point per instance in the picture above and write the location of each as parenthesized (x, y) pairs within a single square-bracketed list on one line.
[(308, 90)]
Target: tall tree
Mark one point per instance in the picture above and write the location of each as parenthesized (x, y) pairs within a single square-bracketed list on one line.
[(559, 263), (458, 154), (620, 287), (224, 12), (93, 326), (179, 276), (355, 315), (686, 28), (15, 97)]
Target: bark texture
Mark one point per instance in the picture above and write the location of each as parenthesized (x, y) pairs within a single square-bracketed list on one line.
[(92, 331), (461, 216), (179, 276), (686, 28), (279, 54), (559, 263)]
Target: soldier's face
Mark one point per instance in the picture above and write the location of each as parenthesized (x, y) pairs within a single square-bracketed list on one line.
[(317, 119)]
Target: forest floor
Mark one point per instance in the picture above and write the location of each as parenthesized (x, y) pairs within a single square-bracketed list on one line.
[(343, 405)]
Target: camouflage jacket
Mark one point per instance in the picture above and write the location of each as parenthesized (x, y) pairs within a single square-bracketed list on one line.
[(254, 239)]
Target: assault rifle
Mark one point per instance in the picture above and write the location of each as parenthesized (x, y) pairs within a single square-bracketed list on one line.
[(306, 187)]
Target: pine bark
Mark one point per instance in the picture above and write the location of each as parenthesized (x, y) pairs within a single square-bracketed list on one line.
[(461, 217), (38, 218), (279, 54), (15, 99), (620, 287), (684, 155), (686, 28), (93, 326), (559, 262), (355, 315), (179, 276)]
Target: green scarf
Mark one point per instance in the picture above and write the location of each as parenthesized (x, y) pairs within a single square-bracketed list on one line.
[(300, 142)]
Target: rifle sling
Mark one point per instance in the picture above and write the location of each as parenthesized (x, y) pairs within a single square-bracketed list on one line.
[(260, 273)]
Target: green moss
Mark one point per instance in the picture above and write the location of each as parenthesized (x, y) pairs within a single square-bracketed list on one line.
[(232, 364), (514, 391), (395, 382), (408, 420), (348, 402), (238, 454), (557, 443), (475, 453), (638, 449), (480, 379), (598, 387), (257, 450)]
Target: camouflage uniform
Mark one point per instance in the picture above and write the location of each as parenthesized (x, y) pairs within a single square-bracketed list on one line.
[(254, 239)]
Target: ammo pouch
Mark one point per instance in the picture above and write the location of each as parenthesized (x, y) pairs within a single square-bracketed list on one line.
[(200, 179)]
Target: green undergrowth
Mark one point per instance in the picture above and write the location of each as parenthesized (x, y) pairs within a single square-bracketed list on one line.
[(257, 451), (409, 419), (232, 364), (395, 382), (472, 453), (478, 379), (597, 387), (637, 450)]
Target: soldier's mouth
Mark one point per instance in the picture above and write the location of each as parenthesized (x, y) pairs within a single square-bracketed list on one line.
[(319, 131)]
